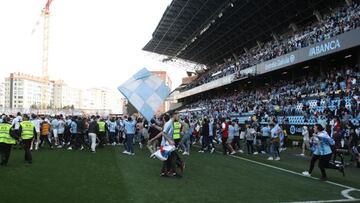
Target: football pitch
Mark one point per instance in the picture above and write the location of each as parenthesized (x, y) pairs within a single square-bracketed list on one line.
[(110, 176)]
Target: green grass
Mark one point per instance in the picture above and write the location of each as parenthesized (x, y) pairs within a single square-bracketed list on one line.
[(109, 176)]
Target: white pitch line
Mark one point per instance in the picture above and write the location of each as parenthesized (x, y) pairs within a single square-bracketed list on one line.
[(344, 193), (328, 201), (293, 172)]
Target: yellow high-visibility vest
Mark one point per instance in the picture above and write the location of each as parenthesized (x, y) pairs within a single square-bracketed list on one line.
[(101, 126), (177, 126), (5, 134), (27, 130)]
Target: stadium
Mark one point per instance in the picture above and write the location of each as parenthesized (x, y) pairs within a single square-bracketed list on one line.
[(273, 91)]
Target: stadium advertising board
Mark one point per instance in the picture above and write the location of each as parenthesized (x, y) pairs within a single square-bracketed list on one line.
[(251, 70), (341, 42)]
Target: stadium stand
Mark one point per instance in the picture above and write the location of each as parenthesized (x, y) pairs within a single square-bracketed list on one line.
[(342, 20), (293, 62)]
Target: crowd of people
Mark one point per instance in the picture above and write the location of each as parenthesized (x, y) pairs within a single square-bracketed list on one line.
[(339, 21), (181, 132), (215, 125), (34, 132), (335, 94), (330, 101)]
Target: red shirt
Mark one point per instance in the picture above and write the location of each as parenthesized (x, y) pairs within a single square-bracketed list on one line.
[(225, 132)]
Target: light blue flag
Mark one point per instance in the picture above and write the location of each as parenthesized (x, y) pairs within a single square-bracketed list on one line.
[(146, 92)]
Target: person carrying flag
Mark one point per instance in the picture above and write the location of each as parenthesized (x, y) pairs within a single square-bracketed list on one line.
[(173, 160)]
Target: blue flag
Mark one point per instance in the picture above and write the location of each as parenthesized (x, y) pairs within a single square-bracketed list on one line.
[(146, 92)]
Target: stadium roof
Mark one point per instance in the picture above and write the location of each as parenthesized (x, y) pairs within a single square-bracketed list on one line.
[(209, 31)]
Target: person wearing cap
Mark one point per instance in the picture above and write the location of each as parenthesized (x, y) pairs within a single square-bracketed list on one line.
[(27, 131), (306, 140), (7, 140)]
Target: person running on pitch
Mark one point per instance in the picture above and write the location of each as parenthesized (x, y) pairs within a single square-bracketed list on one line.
[(322, 143)]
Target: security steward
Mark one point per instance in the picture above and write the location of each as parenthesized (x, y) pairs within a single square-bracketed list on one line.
[(102, 132), (6, 141), (27, 132), (176, 136)]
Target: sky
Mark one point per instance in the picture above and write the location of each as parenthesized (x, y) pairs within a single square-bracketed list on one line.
[(93, 43)]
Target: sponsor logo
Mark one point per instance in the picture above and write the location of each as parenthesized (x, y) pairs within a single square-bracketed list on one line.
[(280, 62), (292, 129), (324, 47), (295, 130)]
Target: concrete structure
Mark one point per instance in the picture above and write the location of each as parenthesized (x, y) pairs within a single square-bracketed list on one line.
[(66, 96), (2, 94), (24, 91), (165, 77), (103, 99)]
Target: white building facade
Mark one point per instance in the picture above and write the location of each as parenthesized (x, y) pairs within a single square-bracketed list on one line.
[(23, 91)]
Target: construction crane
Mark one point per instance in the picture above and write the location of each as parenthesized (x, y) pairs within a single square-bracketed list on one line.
[(45, 56), (45, 59)]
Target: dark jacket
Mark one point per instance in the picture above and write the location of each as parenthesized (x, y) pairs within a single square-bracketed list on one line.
[(205, 129), (94, 127)]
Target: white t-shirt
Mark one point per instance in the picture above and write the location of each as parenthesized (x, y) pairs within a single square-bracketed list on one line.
[(16, 122), (37, 123), (306, 136), (274, 131), (61, 127)]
